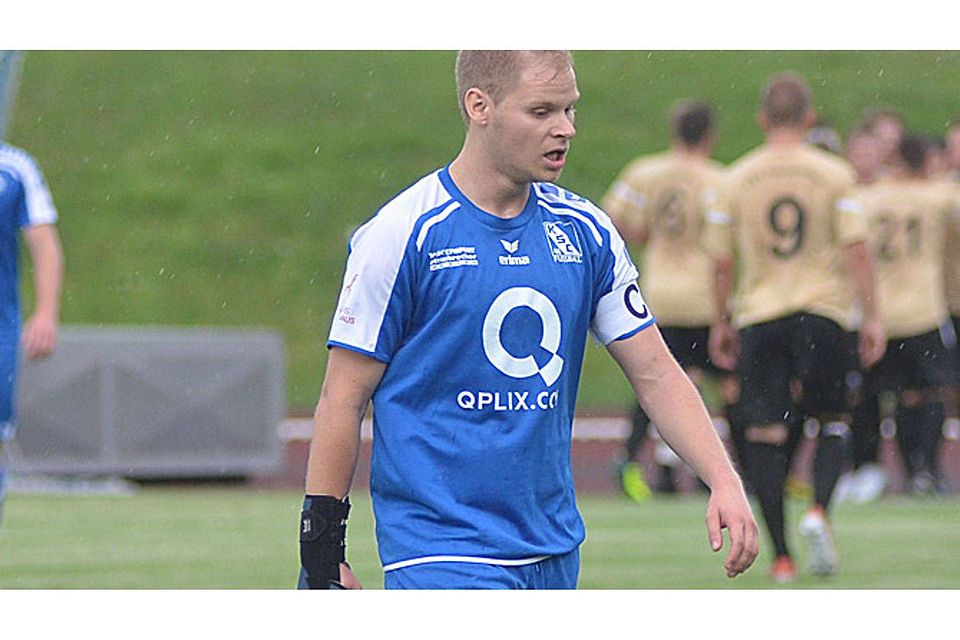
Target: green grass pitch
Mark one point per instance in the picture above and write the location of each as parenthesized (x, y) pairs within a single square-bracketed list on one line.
[(219, 188), (240, 538)]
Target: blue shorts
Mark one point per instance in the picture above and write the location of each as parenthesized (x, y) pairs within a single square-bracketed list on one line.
[(8, 376), (554, 572)]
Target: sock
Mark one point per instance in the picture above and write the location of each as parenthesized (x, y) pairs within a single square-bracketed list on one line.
[(738, 424), (795, 422), (640, 423), (931, 434), (866, 430), (910, 428), (830, 460), (766, 466)]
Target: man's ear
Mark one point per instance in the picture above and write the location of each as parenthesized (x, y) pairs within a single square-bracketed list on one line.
[(477, 104)]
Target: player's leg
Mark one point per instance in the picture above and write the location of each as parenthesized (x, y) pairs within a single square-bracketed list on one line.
[(629, 472), (868, 479), (8, 370), (765, 398), (10, 62), (951, 426), (728, 387), (923, 408), (826, 356), (919, 422)]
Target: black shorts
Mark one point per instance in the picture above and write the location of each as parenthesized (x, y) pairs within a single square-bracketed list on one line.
[(810, 349), (689, 345), (918, 362)]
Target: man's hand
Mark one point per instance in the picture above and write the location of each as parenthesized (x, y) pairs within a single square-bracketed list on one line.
[(728, 509), (347, 579), (40, 334), (724, 345), (872, 342)]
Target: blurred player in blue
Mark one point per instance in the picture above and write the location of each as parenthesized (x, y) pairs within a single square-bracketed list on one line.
[(25, 207), (464, 315)]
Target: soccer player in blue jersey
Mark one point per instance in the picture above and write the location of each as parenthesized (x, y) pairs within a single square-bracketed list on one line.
[(464, 315), (25, 206)]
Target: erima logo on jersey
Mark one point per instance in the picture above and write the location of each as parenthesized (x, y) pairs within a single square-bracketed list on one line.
[(564, 241), (512, 260)]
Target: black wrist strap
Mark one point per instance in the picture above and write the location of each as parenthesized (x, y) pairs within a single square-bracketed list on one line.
[(323, 530)]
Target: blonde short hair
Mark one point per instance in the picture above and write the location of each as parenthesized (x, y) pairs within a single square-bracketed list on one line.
[(496, 71)]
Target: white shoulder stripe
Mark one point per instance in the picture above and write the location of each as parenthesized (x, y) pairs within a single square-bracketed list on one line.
[(563, 211), (437, 219), (40, 208)]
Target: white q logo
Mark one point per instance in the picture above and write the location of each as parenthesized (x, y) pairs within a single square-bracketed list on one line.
[(527, 366)]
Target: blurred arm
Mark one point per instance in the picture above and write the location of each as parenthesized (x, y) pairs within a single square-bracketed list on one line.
[(872, 336), (41, 330), (724, 344)]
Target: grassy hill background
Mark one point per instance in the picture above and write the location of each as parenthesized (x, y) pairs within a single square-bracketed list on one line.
[(220, 188)]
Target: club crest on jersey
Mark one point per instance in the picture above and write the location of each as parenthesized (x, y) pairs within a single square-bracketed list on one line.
[(512, 260), (564, 241)]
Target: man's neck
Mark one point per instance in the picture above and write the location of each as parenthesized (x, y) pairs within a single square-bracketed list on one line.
[(695, 152), (904, 174), (786, 136), (488, 189)]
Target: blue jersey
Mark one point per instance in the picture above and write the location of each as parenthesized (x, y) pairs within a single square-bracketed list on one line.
[(482, 322), (24, 200)]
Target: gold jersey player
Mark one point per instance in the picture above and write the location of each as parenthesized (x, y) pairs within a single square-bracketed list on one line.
[(785, 219), (909, 218), (951, 179), (657, 204)]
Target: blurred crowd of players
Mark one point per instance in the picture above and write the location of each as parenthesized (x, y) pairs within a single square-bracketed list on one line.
[(908, 185)]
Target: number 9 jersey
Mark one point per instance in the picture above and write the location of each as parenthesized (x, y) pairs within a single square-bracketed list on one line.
[(788, 213), (482, 322)]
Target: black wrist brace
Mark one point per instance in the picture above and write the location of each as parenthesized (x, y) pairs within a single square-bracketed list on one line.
[(323, 530)]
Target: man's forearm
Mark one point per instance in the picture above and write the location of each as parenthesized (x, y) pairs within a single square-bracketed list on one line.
[(723, 288), (685, 425), (334, 450), (348, 385), (860, 265), (47, 258)]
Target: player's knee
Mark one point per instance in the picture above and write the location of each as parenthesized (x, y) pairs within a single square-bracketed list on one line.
[(911, 398), (729, 388), (836, 428), (775, 434)]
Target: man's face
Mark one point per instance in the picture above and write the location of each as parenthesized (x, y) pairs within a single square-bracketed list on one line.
[(888, 132), (863, 152), (531, 127), (953, 148)]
